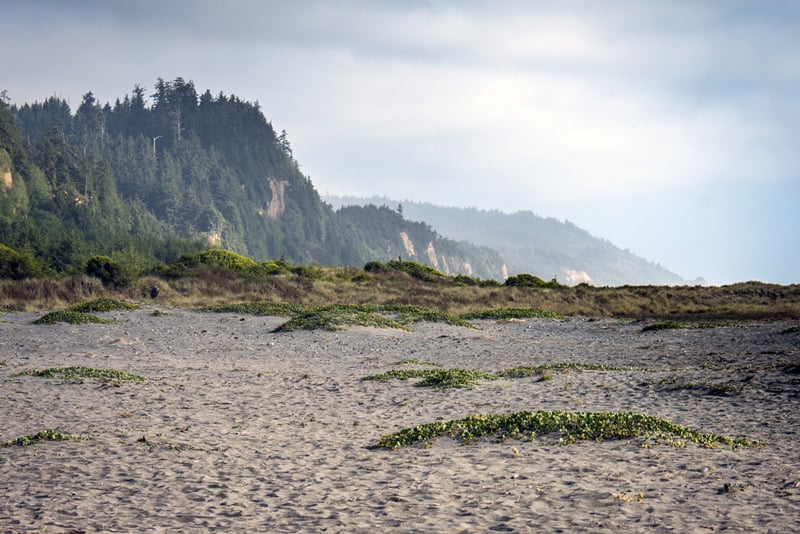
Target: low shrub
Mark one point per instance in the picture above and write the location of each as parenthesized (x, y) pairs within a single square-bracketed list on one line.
[(273, 267), (512, 313), (18, 266), (216, 257), (417, 270), (528, 280), (70, 317), (102, 304), (110, 273), (375, 267)]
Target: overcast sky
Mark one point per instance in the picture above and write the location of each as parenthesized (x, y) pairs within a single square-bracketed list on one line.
[(668, 127)]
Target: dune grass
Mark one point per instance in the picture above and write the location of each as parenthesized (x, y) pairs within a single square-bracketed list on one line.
[(571, 427)]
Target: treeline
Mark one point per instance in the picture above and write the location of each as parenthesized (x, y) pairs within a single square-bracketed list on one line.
[(145, 181)]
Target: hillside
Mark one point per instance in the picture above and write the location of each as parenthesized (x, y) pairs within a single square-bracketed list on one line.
[(532, 244), (143, 181)]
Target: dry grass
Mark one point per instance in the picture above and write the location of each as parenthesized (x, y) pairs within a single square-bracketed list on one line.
[(215, 286)]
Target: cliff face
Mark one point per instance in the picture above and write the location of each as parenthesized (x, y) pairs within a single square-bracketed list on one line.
[(389, 235)]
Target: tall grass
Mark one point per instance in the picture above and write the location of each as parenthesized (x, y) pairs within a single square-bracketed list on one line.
[(216, 285)]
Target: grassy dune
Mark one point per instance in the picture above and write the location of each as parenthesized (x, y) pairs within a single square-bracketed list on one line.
[(215, 286)]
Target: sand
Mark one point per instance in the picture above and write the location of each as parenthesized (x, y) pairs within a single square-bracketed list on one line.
[(240, 429)]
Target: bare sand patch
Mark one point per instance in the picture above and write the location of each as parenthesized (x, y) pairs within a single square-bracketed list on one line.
[(238, 428)]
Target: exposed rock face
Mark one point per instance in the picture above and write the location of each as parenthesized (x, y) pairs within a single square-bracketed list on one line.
[(214, 238), (431, 253), (277, 205), (6, 180), (408, 244), (577, 277)]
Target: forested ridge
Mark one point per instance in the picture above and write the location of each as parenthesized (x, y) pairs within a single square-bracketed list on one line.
[(529, 243), (154, 176)]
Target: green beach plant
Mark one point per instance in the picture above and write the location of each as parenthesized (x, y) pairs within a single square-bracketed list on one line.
[(103, 304), (541, 370), (70, 317), (440, 378), (512, 313), (44, 435), (570, 426), (77, 372)]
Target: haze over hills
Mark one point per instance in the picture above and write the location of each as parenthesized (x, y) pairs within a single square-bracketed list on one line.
[(528, 243)]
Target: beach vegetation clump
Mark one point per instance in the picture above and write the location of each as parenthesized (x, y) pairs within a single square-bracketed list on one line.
[(542, 370), (216, 257), (528, 280), (440, 378), (77, 372), (417, 270), (273, 267), (375, 267), (111, 273), (337, 316), (103, 304), (70, 317), (44, 435), (418, 314), (571, 427), (19, 265), (791, 330), (512, 313), (333, 318)]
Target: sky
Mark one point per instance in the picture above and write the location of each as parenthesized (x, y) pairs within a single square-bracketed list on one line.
[(667, 127)]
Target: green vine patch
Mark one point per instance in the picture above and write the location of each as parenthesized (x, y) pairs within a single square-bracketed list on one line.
[(76, 372), (442, 378), (570, 426), (44, 435)]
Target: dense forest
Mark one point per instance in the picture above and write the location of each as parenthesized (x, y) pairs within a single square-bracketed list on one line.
[(151, 177)]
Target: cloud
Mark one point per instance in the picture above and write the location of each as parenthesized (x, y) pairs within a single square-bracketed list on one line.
[(559, 107)]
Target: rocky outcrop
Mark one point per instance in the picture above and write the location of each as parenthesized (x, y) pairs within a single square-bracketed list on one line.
[(277, 205)]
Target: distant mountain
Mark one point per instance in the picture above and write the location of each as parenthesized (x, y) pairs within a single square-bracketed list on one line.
[(145, 181), (531, 244)]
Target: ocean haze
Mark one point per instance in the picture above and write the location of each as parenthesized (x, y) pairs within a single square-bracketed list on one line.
[(667, 128)]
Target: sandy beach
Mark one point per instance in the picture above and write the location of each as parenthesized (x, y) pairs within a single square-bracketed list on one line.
[(240, 429)]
